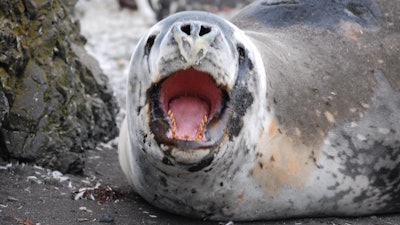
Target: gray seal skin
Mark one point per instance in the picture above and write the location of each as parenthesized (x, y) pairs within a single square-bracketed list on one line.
[(292, 109)]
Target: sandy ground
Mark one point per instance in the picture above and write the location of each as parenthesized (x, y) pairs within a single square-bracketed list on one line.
[(31, 195), (34, 195)]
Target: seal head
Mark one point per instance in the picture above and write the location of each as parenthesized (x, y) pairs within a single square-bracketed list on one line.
[(190, 76)]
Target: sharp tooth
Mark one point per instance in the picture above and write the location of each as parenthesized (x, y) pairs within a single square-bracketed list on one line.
[(173, 123), (200, 130), (199, 137)]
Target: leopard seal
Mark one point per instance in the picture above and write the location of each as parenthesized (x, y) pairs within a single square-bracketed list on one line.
[(290, 109)]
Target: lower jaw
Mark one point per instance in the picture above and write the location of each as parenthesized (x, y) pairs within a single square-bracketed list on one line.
[(190, 160), (189, 157)]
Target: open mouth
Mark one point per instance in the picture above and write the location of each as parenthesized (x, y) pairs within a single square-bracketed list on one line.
[(187, 109)]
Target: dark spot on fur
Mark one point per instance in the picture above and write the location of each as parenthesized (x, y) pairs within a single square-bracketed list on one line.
[(251, 172), (163, 181), (144, 138), (334, 187), (251, 66), (272, 158), (166, 161), (261, 165), (138, 109), (241, 101), (221, 184), (204, 163), (208, 170), (234, 126), (142, 133), (194, 191)]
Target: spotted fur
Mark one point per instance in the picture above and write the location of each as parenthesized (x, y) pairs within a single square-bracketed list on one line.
[(313, 127)]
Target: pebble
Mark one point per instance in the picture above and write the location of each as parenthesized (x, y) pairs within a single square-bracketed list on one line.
[(6, 167), (34, 179), (12, 199), (107, 218), (82, 219)]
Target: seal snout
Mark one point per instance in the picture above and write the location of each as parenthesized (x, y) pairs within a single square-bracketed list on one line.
[(194, 39)]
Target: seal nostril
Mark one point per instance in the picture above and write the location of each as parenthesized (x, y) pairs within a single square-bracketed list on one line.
[(204, 30), (186, 29)]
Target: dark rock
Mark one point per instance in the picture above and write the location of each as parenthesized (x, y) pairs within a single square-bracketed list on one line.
[(31, 9), (12, 199), (54, 99), (4, 107), (106, 218)]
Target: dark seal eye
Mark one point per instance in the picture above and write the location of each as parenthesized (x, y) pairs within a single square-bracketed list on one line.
[(243, 59), (149, 44), (241, 54)]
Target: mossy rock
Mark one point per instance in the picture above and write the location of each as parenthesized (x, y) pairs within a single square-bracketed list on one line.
[(55, 102)]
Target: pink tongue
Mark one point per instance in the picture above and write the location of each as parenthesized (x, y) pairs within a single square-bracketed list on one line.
[(188, 113)]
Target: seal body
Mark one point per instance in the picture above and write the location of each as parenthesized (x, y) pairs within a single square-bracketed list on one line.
[(156, 10), (291, 109)]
